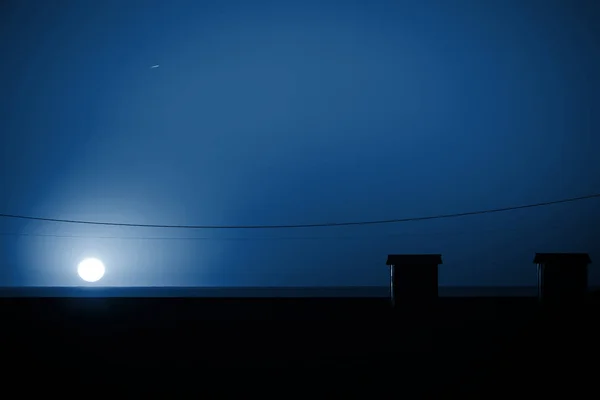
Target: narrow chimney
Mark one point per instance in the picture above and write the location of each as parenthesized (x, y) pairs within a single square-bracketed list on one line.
[(562, 277), (414, 279)]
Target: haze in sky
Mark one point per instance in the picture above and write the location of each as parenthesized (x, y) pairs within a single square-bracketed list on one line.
[(296, 112)]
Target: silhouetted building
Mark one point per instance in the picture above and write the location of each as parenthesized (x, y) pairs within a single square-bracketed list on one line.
[(562, 277), (414, 278)]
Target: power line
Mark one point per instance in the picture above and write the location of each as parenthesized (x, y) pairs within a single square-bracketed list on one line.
[(317, 225), (258, 238)]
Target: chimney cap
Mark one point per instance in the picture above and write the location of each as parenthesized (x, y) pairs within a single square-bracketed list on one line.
[(414, 259), (578, 258)]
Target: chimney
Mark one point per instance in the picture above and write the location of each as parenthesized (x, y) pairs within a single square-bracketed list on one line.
[(414, 279), (562, 277)]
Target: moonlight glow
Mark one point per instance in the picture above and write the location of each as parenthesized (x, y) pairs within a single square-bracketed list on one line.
[(91, 270)]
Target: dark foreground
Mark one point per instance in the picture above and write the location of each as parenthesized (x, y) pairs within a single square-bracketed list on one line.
[(467, 344)]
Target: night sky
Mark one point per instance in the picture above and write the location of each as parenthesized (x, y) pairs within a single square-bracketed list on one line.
[(296, 113)]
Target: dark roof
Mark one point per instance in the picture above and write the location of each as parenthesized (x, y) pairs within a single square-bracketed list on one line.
[(575, 258), (414, 259)]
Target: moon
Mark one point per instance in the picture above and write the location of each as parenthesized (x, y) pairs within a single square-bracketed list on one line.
[(91, 270)]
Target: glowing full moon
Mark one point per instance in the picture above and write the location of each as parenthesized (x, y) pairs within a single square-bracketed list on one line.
[(91, 270)]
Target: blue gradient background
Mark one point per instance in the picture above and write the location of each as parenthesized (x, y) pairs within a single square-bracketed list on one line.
[(291, 113)]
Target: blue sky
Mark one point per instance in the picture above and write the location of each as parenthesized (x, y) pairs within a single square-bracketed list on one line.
[(291, 113)]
